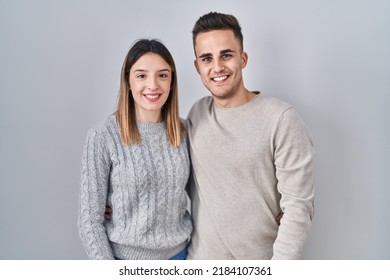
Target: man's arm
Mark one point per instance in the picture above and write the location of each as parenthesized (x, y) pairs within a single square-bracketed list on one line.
[(293, 160)]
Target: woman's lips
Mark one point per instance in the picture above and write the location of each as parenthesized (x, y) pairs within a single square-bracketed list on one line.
[(152, 97)]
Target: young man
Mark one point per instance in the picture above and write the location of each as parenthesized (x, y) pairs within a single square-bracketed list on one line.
[(252, 158)]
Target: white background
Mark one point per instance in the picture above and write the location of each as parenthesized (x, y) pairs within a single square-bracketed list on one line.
[(59, 74)]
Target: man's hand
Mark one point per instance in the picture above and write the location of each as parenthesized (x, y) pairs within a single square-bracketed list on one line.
[(108, 213)]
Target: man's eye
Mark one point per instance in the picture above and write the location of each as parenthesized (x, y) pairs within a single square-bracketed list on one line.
[(226, 55), (206, 59)]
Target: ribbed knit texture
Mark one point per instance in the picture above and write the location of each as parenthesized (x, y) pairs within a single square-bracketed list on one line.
[(250, 162), (145, 186)]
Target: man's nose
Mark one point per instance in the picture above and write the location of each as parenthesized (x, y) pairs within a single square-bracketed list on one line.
[(218, 66)]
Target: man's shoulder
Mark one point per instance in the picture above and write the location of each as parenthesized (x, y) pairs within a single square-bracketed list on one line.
[(184, 122), (204, 101), (200, 106), (273, 103)]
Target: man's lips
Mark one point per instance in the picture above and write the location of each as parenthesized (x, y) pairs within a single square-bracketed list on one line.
[(220, 79)]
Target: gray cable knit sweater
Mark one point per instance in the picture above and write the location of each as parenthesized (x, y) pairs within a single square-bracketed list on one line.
[(145, 186)]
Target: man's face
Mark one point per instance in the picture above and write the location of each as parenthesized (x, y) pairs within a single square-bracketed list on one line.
[(219, 61)]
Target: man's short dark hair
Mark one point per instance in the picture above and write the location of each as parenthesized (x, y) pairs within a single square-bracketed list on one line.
[(217, 21)]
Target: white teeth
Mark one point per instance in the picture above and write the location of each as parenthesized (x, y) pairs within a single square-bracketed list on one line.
[(218, 79), (151, 96)]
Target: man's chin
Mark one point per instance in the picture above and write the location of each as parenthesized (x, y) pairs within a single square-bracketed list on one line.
[(222, 95)]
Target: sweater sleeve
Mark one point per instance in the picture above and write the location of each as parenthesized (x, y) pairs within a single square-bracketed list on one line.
[(293, 156), (95, 171)]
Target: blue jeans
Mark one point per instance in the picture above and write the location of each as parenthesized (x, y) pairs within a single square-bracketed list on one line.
[(182, 255)]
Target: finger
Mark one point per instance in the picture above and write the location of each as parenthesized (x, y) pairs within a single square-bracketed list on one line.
[(278, 218)]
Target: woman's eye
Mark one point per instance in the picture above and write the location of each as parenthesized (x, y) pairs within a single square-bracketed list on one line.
[(141, 76), (164, 76)]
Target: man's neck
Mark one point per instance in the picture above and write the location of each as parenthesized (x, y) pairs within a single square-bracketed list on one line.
[(237, 100)]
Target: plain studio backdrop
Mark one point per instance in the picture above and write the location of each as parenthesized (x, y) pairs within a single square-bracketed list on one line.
[(60, 64)]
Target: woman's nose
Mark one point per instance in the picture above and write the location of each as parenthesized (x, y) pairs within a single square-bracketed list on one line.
[(152, 84)]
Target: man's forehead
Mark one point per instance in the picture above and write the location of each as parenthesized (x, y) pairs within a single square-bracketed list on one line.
[(216, 42), (215, 35)]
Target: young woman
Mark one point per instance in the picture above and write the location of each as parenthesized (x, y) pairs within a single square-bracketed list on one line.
[(137, 162)]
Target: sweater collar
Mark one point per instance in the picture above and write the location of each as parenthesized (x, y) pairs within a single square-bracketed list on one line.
[(150, 127)]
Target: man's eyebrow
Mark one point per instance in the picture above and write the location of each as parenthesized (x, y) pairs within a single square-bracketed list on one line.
[(221, 52), (204, 55), (226, 51)]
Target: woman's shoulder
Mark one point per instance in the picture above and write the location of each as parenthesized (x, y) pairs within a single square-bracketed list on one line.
[(104, 127)]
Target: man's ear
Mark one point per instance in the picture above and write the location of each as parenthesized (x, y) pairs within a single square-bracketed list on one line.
[(244, 58), (196, 66)]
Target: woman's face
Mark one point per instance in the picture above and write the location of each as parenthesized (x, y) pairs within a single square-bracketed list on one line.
[(150, 82)]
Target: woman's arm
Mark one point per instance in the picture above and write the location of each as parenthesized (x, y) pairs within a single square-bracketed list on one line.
[(95, 172)]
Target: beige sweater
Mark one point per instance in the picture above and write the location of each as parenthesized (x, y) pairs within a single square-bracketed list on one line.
[(250, 163)]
